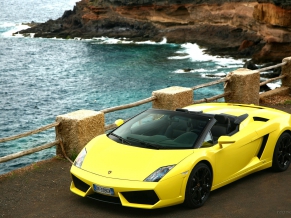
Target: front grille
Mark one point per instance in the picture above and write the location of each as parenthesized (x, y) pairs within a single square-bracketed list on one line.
[(105, 198), (141, 197), (79, 184)]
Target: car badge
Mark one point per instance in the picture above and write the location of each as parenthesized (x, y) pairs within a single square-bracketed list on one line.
[(109, 172)]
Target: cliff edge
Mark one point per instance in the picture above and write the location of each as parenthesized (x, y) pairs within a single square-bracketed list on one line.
[(256, 29)]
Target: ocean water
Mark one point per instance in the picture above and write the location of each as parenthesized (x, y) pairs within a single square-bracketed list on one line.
[(43, 78)]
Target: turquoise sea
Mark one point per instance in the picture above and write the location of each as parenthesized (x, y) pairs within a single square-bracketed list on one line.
[(42, 78)]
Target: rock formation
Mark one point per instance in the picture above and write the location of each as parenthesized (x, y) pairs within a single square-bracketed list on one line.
[(247, 28)]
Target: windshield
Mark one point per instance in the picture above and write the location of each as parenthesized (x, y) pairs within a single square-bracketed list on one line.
[(159, 129)]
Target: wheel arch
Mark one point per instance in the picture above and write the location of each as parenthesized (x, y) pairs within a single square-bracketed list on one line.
[(287, 131), (208, 164), (281, 133), (285, 126), (193, 200), (280, 164)]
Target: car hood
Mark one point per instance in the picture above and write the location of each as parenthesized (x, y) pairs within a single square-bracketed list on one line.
[(108, 158)]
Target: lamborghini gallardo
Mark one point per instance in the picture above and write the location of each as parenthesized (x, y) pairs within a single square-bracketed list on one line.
[(161, 158)]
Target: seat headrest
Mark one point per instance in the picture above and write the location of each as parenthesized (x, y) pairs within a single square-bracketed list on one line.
[(220, 118), (179, 123)]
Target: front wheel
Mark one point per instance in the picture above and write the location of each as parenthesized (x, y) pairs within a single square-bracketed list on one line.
[(198, 186), (282, 153)]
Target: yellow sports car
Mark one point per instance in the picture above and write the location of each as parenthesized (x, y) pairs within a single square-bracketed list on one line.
[(161, 158)]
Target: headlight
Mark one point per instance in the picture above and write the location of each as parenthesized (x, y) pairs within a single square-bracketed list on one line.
[(80, 158), (158, 174)]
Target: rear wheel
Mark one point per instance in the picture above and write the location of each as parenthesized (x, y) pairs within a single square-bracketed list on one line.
[(282, 153), (198, 186)]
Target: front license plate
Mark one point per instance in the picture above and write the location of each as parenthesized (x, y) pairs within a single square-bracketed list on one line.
[(103, 190)]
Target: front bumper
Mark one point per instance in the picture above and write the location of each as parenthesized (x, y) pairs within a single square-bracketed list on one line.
[(139, 194)]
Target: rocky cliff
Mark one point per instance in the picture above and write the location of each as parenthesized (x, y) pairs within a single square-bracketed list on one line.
[(257, 29)]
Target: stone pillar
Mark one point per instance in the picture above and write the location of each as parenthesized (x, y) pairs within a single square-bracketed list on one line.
[(76, 129), (172, 98), (244, 85), (286, 70)]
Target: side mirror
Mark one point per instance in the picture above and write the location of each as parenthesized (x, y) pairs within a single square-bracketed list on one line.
[(119, 122), (223, 140)]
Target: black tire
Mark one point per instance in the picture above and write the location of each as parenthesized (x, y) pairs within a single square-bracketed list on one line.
[(198, 186), (282, 153)]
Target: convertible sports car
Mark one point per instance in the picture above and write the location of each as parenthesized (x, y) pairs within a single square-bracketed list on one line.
[(161, 158)]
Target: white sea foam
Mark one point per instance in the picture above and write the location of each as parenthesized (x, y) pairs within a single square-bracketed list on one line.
[(274, 85), (220, 74), (180, 71), (107, 40), (230, 65), (216, 75), (8, 29), (196, 54), (200, 70), (205, 65), (164, 41), (149, 42)]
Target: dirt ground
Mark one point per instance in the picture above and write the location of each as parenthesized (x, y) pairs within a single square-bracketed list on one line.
[(42, 190), (281, 102)]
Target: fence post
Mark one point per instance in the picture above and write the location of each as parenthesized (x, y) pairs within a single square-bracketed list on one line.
[(76, 129), (172, 98), (244, 85), (286, 70)]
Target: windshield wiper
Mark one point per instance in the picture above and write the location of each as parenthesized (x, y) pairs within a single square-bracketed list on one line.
[(148, 144), (123, 140)]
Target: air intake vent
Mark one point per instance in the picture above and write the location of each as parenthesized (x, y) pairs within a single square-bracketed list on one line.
[(80, 184), (260, 119), (141, 197), (263, 145)]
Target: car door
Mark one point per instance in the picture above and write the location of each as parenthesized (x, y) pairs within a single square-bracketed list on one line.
[(235, 155)]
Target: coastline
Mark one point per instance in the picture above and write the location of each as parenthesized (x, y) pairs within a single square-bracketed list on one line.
[(235, 28)]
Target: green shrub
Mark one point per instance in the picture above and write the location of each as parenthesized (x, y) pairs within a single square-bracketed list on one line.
[(288, 102)]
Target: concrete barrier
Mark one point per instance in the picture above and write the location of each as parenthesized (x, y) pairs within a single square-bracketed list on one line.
[(244, 86), (286, 70), (172, 98), (76, 129)]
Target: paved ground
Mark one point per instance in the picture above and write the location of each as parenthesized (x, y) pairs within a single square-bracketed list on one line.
[(42, 190)]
